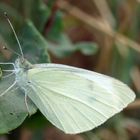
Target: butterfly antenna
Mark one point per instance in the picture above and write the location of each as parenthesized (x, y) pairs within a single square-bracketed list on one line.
[(7, 18)]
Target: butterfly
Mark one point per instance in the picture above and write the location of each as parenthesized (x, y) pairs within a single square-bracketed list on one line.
[(73, 99)]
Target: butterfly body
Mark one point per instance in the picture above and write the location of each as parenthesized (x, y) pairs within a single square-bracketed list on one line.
[(21, 72)]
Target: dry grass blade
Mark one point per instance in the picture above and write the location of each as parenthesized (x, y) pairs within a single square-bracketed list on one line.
[(98, 25), (105, 12), (135, 75), (134, 105), (109, 22)]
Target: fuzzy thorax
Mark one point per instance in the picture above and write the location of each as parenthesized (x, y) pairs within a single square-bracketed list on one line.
[(21, 70), (22, 63)]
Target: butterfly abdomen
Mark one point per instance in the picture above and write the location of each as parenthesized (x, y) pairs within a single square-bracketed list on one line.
[(21, 79)]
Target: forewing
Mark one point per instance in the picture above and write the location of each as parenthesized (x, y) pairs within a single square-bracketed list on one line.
[(76, 100)]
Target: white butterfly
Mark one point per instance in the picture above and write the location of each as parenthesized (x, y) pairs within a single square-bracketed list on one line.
[(73, 99)]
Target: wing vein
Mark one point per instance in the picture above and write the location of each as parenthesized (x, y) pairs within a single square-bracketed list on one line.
[(73, 99), (79, 72), (121, 101), (71, 117), (84, 115), (48, 104)]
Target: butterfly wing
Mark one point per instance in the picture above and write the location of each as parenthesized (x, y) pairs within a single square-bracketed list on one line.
[(76, 100)]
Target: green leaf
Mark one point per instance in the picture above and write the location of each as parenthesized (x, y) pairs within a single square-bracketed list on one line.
[(33, 43), (65, 47), (39, 14), (56, 28), (11, 12), (37, 11), (87, 48), (50, 3), (122, 63), (36, 121), (12, 106)]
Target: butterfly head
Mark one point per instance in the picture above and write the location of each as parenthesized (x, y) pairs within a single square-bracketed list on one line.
[(22, 63)]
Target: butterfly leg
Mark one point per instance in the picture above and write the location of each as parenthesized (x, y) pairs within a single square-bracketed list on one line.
[(12, 71), (8, 89), (8, 75), (26, 103), (9, 64)]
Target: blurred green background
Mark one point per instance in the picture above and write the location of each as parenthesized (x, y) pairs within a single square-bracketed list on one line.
[(99, 35)]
